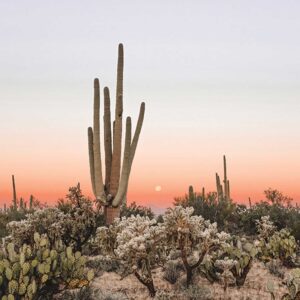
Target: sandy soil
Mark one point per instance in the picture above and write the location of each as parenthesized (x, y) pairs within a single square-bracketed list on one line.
[(254, 287)]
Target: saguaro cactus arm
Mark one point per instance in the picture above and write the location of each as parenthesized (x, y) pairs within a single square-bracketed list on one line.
[(99, 188), (117, 139), (107, 138), (127, 161), (91, 158), (125, 167)]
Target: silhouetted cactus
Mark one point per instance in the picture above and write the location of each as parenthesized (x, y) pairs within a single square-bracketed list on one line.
[(223, 191), (15, 203)]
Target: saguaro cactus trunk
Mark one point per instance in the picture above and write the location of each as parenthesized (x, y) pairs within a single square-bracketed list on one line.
[(112, 193)]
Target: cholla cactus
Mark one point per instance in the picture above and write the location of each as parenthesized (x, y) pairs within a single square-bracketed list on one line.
[(226, 265), (29, 271), (240, 251), (192, 235), (265, 227), (48, 221), (79, 223), (138, 243)]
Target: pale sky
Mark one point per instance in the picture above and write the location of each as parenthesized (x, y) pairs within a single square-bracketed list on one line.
[(218, 77)]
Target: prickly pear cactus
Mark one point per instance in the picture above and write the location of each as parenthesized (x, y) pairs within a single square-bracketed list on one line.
[(27, 270), (281, 245), (293, 284)]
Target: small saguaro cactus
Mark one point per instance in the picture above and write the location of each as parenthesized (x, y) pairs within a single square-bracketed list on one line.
[(223, 193), (112, 193), (15, 204)]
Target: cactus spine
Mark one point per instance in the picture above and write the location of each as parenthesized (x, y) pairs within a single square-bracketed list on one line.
[(113, 192)]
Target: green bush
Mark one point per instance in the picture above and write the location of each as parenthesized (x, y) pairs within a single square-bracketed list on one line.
[(134, 209)]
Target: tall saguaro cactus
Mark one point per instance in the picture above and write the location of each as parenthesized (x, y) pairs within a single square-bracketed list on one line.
[(223, 193), (112, 193)]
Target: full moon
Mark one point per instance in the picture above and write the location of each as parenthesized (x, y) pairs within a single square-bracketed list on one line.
[(158, 188)]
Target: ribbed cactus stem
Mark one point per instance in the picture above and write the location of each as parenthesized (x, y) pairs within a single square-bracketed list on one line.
[(228, 190), (117, 139), (137, 132), (219, 187), (225, 177), (31, 202), (203, 193), (5, 207), (191, 192), (91, 157), (21, 203), (107, 139), (121, 193), (99, 187), (15, 204)]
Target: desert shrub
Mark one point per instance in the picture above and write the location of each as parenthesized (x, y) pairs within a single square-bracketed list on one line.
[(80, 221), (196, 292), (74, 223), (7, 217), (280, 210), (171, 271), (139, 245), (193, 236), (103, 263), (221, 211), (84, 293), (275, 267), (134, 209), (237, 218), (274, 244), (114, 296), (39, 270), (47, 221), (166, 295)]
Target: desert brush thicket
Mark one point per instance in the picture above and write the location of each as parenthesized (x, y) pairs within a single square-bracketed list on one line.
[(50, 241)]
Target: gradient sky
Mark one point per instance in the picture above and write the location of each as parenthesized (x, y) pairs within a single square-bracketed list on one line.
[(218, 77)]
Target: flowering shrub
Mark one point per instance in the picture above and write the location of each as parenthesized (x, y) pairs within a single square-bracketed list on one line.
[(192, 235), (139, 245)]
